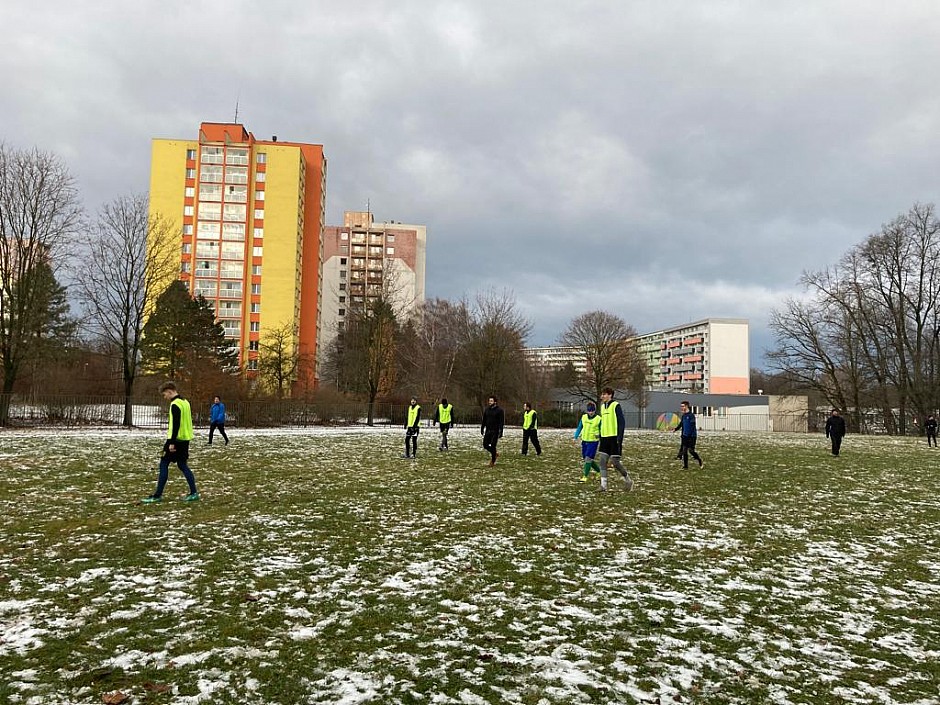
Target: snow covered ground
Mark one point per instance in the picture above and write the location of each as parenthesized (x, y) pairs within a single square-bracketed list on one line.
[(322, 568)]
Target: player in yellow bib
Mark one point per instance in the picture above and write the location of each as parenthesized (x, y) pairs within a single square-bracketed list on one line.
[(176, 449)]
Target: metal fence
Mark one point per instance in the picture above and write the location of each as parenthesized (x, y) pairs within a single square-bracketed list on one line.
[(78, 411)]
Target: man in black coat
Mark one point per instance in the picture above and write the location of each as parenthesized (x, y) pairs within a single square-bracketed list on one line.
[(492, 428), (835, 430)]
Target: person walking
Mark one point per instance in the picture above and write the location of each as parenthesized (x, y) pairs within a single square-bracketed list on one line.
[(835, 430), (443, 417), (930, 426), (492, 427), (176, 447), (689, 436), (589, 430), (530, 429), (217, 419), (411, 429), (611, 442)]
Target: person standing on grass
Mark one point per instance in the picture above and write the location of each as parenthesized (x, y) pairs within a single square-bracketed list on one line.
[(492, 428), (217, 419), (176, 448), (689, 436), (930, 426), (835, 430), (530, 429), (411, 429), (611, 443), (442, 417), (589, 430)]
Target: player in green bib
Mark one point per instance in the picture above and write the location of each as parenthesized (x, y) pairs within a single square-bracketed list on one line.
[(444, 417), (176, 449)]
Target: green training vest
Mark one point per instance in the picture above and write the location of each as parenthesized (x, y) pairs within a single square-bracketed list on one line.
[(413, 414), (609, 419), (185, 432), (590, 427), (530, 420), (443, 412)]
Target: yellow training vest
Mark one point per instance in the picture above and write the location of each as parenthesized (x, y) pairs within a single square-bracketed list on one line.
[(413, 414), (609, 419), (530, 420), (590, 427), (443, 412), (185, 432)]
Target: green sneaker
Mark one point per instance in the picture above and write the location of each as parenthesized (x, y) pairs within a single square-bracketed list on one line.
[(194, 497), (151, 500)]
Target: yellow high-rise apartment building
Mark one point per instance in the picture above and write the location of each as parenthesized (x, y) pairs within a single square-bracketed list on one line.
[(251, 214)]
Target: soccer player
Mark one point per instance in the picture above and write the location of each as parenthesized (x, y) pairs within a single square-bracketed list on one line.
[(530, 429), (589, 430), (492, 428), (443, 416), (611, 444), (930, 426), (689, 435), (176, 448), (835, 430), (217, 419), (411, 429)]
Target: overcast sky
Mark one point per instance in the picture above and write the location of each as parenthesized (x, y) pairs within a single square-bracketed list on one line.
[(665, 160)]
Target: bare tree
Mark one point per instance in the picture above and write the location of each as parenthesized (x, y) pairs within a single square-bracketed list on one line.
[(133, 256), (39, 213), (493, 335), (278, 358), (607, 345), (429, 349)]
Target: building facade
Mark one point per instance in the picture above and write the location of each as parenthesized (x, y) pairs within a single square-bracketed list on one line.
[(250, 217), (709, 357), (363, 259)]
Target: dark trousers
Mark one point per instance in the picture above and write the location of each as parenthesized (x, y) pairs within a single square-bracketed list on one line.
[(687, 449), (836, 443), (533, 435), (217, 425), (489, 443), (932, 436), (411, 435), (445, 427), (180, 457)]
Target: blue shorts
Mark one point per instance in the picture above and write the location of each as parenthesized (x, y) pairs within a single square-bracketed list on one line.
[(589, 448)]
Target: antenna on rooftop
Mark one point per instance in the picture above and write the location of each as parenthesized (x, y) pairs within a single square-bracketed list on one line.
[(236, 109)]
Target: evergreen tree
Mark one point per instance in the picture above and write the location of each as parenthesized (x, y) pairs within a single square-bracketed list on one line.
[(183, 340)]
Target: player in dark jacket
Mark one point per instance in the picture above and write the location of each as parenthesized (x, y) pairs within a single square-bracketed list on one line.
[(930, 426), (689, 436), (835, 430), (492, 428)]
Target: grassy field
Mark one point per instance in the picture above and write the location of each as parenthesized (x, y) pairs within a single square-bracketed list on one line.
[(322, 568)]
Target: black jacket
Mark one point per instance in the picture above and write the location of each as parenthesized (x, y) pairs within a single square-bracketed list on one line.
[(835, 426), (493, 420)]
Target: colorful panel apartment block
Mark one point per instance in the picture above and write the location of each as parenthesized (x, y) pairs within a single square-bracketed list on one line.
[(362, 259), (250, 215)]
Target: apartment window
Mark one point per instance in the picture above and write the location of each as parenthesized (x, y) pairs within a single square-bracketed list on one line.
[(390, 238), (390, 250), (256, 269), (207, 250), (231, 270), (252, 365), (342, 274), (234, 211), (261, 158), (344, 248), (236, 156), (210, 211), (259, 195), (236, 194), (233, 231), (187, 210), (211, 155), (342, 286), (254, 345), (256, 308), (254, 326), (236, 175), (342, 299), (210, 192), (230, 290), (188, 229), (257, 251), (255, 288), (259, 177), (190, 192), (342, 261), (211, 174), (190, 153), (207, 230), (233, 250), (259, 232), (342, 312), (190, 173), (344, 236), (259, 213), (184, 267)]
